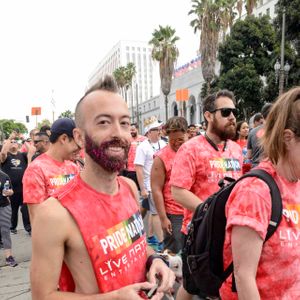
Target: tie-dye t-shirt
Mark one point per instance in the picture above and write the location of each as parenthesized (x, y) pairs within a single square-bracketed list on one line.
[(132, 151), (278, 272), (198, 167), (44, 175), (167, 156)]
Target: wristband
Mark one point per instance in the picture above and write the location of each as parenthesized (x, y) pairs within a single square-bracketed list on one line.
[(151, 258)]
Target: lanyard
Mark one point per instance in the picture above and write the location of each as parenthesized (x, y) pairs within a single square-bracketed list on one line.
[(154, 149), (213, 144)]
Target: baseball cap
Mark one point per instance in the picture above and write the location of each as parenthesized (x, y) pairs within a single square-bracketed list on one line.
[(61, 126)]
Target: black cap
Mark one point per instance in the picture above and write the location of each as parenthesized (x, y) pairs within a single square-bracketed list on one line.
[(61, 126)]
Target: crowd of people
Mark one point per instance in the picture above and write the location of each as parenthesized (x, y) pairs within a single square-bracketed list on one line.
[(87, 188)]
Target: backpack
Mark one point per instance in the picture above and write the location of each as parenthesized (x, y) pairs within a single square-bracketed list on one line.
[(202, 255)]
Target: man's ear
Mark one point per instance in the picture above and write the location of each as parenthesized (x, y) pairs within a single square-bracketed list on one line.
[(78, 137), (207, 115)]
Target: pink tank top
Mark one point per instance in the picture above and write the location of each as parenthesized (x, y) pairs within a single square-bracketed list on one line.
[(113, 232), (167, 156)]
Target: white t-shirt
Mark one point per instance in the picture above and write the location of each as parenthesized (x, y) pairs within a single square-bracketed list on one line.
[(144, 157)]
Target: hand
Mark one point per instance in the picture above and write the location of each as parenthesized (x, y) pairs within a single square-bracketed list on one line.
[(159, 268), (131, 292), (166, 225), (144, 194), (13, 135), (7, 193)]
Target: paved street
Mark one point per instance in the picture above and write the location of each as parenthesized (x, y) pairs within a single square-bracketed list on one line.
[(14, 282)]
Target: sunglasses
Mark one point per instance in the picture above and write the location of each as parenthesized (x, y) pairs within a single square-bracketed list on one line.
[(37, 141), (225, 112)]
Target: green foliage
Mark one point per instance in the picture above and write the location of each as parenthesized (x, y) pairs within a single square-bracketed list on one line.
[(251, 41), (45, 122), (65, 114), (246, 85), (8, 125)]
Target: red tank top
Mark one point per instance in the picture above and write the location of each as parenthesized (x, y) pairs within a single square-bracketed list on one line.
[(113, 232), (167, 156)]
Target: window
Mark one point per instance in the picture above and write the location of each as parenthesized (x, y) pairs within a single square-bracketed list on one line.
[(261, 2), (268, 11), (260, 15), (127, 48)]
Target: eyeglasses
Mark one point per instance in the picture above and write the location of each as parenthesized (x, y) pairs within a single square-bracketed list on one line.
[(225, 112)]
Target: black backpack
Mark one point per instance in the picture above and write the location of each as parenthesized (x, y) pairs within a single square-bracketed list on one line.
[(202, 255)]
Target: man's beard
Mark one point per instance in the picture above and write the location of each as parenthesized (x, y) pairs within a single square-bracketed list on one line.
[(133, 134), (99, 154), (228, 132)]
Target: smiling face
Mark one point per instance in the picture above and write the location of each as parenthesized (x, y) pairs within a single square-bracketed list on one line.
[(244, 130), (106, 130)]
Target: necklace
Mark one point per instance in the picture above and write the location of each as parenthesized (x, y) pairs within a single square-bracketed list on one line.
[(154, 149)]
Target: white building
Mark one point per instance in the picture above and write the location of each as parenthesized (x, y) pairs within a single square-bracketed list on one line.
[(146, 81), (263, 7)]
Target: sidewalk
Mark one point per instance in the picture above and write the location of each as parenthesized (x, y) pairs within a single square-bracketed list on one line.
[(14, 282)]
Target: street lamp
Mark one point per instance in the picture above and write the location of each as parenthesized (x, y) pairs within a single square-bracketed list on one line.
[(281, 69)]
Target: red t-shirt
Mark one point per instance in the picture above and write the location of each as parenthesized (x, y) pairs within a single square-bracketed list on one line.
[(44, 175), (278, 273), (167, 156), (113, 232), (198, 167), (132, 151)]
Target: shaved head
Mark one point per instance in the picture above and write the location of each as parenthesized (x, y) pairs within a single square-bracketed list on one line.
[(107, 84)]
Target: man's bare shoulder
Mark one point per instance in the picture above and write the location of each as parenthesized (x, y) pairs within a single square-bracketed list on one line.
[(51, 212)]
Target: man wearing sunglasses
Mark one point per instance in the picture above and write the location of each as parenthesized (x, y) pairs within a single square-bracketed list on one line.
[(201, 162), (41, 142)]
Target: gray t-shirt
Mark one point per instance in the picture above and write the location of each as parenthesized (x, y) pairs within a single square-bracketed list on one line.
[(253, 144)]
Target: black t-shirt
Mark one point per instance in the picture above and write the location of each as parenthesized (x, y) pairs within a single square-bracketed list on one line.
[(14, 166), (3, 200)]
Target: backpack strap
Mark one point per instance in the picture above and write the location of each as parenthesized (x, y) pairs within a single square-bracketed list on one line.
[(276, 211)]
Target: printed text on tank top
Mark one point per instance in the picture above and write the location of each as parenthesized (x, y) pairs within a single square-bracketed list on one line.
[(214, 145)]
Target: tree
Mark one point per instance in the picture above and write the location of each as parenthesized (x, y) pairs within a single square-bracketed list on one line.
[(250, 4), (45, 122), (212, 17), (124, 76), (247, 56), (66, 114), (7, 126), (292, 36), (247, 87), (166, 53)]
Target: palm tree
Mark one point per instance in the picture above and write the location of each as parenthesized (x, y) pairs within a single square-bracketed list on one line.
[(212, 16), (120, 77), (250, 4), (130, 73), (165, 51)]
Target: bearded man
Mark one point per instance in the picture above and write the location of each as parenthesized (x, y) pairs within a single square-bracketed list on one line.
[(101, 236), (203, 161)]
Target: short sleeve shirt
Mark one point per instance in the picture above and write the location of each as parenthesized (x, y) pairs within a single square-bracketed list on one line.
[(278, 273), (144, 157), (44, 175), (198, 167), (253, 144)]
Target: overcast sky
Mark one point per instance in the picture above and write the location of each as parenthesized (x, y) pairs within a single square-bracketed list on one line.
[(56, 44)]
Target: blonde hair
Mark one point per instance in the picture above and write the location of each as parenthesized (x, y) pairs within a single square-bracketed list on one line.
[(285, 114)]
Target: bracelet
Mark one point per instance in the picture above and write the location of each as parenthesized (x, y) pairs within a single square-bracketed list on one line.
[(151, 258)]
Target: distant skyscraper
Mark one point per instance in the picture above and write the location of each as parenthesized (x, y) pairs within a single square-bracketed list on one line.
[(145, 83)]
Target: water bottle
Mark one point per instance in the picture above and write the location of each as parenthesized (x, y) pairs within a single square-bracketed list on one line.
[(6, 187)]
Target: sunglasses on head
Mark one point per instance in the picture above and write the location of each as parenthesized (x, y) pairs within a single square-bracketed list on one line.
[(225, 112)]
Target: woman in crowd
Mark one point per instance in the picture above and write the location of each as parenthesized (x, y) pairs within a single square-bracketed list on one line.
[(242, 131), (268, 270)]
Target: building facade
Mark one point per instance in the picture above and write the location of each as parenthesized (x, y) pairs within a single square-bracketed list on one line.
[(145, 84), (263, 7)]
